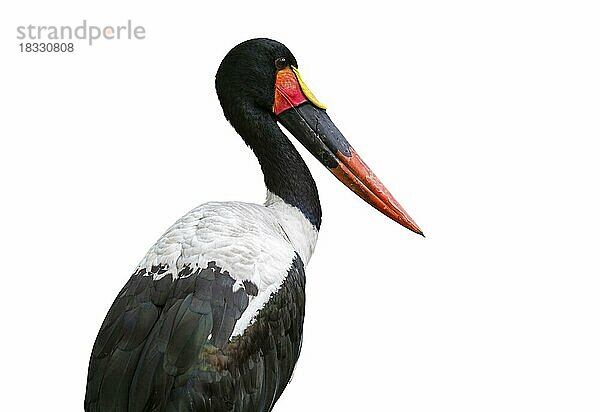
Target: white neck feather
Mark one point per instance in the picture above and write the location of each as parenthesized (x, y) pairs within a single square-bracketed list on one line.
[(301, 233)]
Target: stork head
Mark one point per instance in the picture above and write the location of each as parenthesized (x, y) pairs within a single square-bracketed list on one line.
[(259, 78)]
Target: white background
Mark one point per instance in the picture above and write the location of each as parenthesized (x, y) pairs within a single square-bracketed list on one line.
[(481, 117)]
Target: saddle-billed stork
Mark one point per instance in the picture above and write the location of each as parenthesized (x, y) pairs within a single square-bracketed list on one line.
[(211, 319)]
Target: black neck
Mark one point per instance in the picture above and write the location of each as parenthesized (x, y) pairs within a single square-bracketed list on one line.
[(285, 173)]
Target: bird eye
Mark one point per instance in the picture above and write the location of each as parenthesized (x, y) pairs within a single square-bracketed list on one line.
[(280, 63)]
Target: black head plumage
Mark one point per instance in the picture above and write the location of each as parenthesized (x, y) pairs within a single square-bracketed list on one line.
[(246, 76)]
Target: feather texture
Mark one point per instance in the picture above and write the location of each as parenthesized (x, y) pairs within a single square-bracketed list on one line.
[(212, 317)]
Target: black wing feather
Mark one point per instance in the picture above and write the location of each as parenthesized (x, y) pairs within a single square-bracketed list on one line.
[(165, 344)]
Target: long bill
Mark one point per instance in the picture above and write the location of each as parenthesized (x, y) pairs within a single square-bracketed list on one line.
[(298, 110)]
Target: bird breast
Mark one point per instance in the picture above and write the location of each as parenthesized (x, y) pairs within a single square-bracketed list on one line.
[(253, 243)]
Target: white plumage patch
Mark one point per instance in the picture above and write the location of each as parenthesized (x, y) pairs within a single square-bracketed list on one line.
[(252, 242)]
